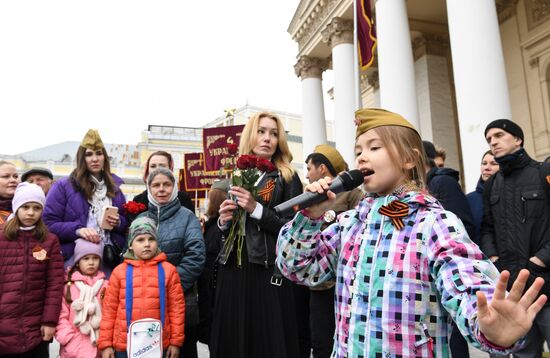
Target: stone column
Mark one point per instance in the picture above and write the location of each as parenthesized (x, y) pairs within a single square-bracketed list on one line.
[(395, 60), (339, 35), (314, 132), (479, 74)]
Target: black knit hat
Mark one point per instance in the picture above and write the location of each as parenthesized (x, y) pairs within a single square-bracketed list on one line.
[(507, 126)]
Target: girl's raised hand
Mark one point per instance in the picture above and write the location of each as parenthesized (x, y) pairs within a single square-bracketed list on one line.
[(508, 318), (320, 186)]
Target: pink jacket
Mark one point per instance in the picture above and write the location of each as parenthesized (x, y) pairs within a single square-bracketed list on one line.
[(74, 343)]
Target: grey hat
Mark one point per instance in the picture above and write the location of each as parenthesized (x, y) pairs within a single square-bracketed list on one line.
[(37, 170)]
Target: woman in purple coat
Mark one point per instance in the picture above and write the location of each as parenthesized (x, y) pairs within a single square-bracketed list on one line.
[(74, 206)]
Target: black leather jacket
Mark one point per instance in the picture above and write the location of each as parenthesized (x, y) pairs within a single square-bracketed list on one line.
[(261, 235), (516, 218)]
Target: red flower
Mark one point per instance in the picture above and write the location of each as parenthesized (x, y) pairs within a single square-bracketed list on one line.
[(243, 162), (133, 207), (265, 165), (252, 160), (232, 148)]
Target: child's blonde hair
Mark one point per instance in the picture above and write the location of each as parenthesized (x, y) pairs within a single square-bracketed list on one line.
[(405, 146)]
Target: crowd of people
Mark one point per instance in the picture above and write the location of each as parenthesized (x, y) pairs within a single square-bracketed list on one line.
[(407, 265)]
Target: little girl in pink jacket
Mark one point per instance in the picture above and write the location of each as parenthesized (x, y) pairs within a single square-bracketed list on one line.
[(78, 328)]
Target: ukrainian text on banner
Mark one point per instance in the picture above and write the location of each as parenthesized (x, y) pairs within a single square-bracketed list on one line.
[(366, 34), (215, 142), (194, 177)]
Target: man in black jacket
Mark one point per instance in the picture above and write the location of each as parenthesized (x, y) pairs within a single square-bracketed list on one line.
[(515, 231)]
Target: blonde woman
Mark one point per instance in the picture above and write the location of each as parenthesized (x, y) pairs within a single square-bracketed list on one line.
[(254, 317)]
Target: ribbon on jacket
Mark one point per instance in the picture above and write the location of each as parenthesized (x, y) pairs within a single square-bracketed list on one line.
[(396, 211), (267, 191)]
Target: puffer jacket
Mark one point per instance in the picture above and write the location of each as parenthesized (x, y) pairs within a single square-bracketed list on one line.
[(75, 344), (180, 237), (516, 219), (31, 285), (67, 210), (261, 235), (113, 329)]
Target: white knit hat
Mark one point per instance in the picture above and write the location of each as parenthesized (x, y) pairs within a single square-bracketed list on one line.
[(27, 193)]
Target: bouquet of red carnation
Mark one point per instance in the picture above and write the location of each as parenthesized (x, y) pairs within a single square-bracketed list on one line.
[(249, 169), (133, 207)]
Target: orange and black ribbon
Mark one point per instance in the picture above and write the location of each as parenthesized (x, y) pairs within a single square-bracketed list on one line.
[(267, 191), (396, 211)]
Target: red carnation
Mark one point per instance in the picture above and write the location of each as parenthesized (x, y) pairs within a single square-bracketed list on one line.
[(265, 165), (133, 207), (252, 160), (242, 162), (232, 148)]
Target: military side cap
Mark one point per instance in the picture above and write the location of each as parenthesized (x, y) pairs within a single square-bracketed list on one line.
[(369, 118), (92, 140), (222, 184), (333, 156)]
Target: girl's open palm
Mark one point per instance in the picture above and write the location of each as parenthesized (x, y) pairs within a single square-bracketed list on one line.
[(507, 318)]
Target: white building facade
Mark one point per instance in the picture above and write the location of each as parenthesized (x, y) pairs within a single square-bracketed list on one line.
[(449, 66)]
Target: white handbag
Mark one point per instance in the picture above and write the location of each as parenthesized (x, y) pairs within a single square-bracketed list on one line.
[(144, 335)]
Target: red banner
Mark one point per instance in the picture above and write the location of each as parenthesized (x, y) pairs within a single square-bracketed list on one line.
[(192, 176), (366, 34), (215, 143)]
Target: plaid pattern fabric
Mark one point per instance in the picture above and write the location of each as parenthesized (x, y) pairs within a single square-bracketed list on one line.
[(395, 289)]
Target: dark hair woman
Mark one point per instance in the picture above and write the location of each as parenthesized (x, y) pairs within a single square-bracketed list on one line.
[(75, 206)]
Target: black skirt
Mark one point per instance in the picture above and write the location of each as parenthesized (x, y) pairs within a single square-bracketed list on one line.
[(252, 317)]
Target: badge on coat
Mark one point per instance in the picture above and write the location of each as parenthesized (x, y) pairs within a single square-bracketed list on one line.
[(39, 253)]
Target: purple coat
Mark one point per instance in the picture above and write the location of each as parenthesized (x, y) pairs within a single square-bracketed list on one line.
[(67, 210)]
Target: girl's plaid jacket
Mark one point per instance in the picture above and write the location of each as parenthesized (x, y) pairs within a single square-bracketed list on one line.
[(396, 290)]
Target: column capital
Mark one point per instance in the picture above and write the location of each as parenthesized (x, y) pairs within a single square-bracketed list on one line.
[(310, 67), (338, 31)]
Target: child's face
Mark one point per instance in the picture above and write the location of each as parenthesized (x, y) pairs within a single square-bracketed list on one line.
[(89, 264), (144, 246), (373, 159), (29, 213)]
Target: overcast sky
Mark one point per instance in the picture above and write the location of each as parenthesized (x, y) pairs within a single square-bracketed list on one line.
[(118, 65)]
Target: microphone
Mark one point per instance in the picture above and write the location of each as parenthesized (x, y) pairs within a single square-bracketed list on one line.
[(344, 182)]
